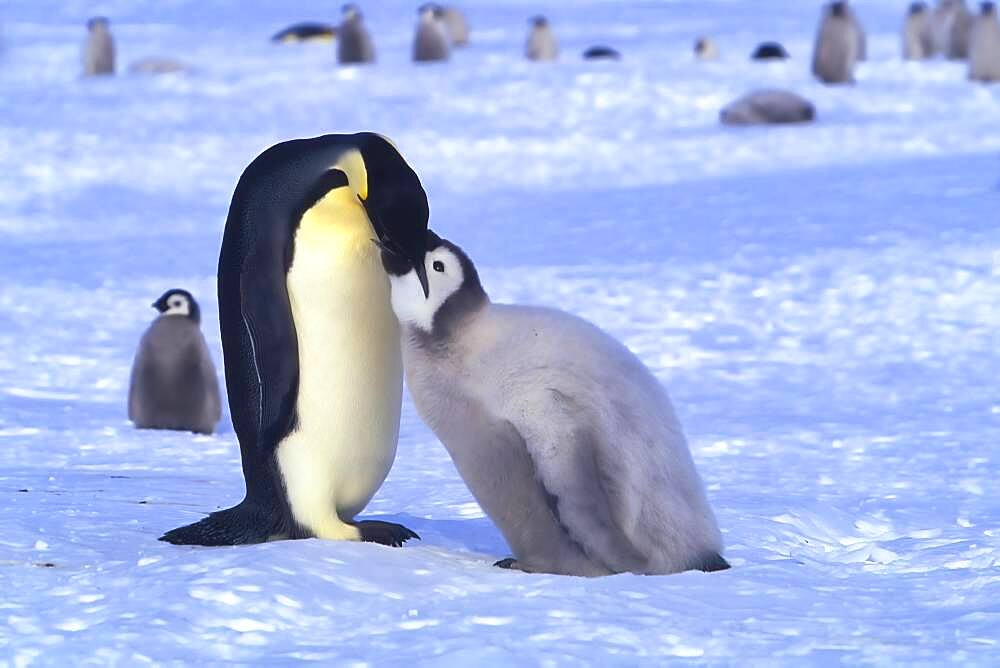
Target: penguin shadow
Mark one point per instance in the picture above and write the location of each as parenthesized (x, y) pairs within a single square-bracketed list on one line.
[(475, 535)]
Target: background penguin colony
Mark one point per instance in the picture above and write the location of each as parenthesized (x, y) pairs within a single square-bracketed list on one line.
[(949, 29)]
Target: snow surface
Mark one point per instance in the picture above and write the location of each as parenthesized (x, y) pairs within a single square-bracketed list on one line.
[(821, 302)]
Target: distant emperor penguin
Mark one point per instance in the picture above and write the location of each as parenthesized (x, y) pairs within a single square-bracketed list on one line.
[(566, 440), (313, 362), (542, 44), (836, 50), (984, 47), (431, 42), (918, 42), (173, 383), (354, 43), (99, 49)]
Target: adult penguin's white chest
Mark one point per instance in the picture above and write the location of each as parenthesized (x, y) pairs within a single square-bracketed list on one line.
[(350, 368)]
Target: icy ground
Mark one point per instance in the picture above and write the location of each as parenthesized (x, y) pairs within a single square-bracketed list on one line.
[(822, 303)]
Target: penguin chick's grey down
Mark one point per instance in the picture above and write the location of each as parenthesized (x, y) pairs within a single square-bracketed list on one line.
[(430, 43), (354, 44), (984, 49), (768, 106), (567, 441), (542, 44), (836, 50), (99, 49), (918, 43), (456, 26), (173, 382), (959, 31)]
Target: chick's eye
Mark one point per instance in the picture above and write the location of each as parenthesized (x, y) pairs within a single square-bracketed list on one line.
[(438, 266)]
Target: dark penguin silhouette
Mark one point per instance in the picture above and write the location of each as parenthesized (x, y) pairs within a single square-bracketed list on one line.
[(769, 51), (601, 53)]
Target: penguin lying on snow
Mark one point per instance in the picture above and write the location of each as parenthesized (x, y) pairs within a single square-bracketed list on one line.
[(768, 106), (313, 363), (354, 44), (769, 51), (157, 65), (567, 441), (541, 44), (99, 49), (173, 383), (601, 53), (305, 32)]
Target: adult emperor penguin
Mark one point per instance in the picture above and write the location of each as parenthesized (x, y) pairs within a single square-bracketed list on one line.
[(173, 383), (918, 43), (430, 43), (836, 50), (311, 345), (567, 441), (541, 44), (99, 49), (984, 48), (354, 44)]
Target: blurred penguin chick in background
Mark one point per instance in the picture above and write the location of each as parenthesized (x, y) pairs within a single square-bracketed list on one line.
[(430, 43), (99, 49), (835, 53), (984, 46), (541, 44), (918, 43), (456, 26), (354, 43)]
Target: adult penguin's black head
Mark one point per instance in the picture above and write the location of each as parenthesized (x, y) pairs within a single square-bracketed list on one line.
[(178, 302), (395, 201)]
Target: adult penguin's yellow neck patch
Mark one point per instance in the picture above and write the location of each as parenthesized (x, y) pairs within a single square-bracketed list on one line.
[(352, 164)]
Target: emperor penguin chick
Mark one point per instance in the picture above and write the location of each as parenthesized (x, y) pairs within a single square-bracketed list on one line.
[(918, 43), (951, 25), (456, 26), (430, 42), (354, 44), (173, 382), (836, 50), (984, 48), (542, 44), (961, 32), (99, 49), (859, 33), (566, 440), (705, 49)]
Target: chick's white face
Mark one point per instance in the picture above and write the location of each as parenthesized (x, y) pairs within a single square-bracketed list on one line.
[(444, 278), (178, 304)]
